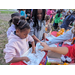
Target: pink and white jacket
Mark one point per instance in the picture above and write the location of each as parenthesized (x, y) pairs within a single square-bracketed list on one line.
[(16, 46), (10, 29)]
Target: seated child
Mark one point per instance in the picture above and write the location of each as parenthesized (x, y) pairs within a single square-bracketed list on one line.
[(18, 42), (48, 25)]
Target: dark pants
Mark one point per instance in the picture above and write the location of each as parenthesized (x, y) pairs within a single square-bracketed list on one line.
[(56, 26)]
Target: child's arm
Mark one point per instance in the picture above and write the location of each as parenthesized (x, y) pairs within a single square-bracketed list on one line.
[(50, 31), (70, 26), (60, 50), (33, 47), (44, 37), (17, 59), (35, 38)]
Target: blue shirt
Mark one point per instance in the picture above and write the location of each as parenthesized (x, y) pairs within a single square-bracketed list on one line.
[(22, 13), (66, 22), (66, 36)]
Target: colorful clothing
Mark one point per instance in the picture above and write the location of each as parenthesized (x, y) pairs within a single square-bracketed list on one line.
[(71, 51), (47, 28), (57, 19), (22, 13), (66, 22), (49, 12), (16, 46), (66, 36)]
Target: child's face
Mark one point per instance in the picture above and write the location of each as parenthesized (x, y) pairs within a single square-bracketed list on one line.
[(22, 34), (39, 14), (48, 21)]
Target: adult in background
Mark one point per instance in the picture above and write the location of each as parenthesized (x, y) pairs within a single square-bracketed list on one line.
[(69, 19)]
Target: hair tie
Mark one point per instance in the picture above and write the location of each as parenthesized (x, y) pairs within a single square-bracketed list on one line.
[(23, 24), (18, 22)]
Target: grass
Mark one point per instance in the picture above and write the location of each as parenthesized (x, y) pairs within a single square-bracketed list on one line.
[(3, 39), (4, 18), (5, 11)]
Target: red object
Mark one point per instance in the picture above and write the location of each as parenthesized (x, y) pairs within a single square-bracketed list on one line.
[(54, 33), (71, 51), (47, 39), (61, 18)]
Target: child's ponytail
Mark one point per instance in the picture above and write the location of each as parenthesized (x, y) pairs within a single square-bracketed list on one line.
[(10, 21), (16, 20), (21, 24), (12, 16)]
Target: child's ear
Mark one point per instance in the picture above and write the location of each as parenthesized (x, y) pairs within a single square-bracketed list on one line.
[(17, 31)]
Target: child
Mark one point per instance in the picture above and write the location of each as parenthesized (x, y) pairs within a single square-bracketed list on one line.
[(39, 24), (57, 19), (48, 25), (28, 12), (17, 44), (12, 26), (22, 13)]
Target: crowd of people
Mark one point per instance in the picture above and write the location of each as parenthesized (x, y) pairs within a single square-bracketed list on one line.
[(29, 26)]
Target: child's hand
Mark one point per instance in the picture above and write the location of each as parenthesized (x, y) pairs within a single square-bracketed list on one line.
[(26, 59), (33, 51), (46, 47)]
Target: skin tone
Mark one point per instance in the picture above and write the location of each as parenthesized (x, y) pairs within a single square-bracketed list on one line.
[(60, 50), (47, 24), (39, 16), (23, 34)]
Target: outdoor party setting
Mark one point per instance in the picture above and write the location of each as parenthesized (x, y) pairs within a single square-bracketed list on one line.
[(37, 36)]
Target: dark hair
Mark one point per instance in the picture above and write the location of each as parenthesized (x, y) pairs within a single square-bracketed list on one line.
[(13, 15), (58, 12), (34, 15), (15, 20), (21, 24), (47, 18), (22, 18)]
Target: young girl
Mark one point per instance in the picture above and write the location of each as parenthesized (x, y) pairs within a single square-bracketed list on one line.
[(39, 24), (17, 44), (12, 26), (48, 25), (57, 19)]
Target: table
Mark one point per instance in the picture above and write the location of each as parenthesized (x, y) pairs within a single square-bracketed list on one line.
[(22, 63), (54, 33)]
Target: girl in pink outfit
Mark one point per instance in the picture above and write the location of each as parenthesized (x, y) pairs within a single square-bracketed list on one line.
[(49, 12), (17, 44)]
